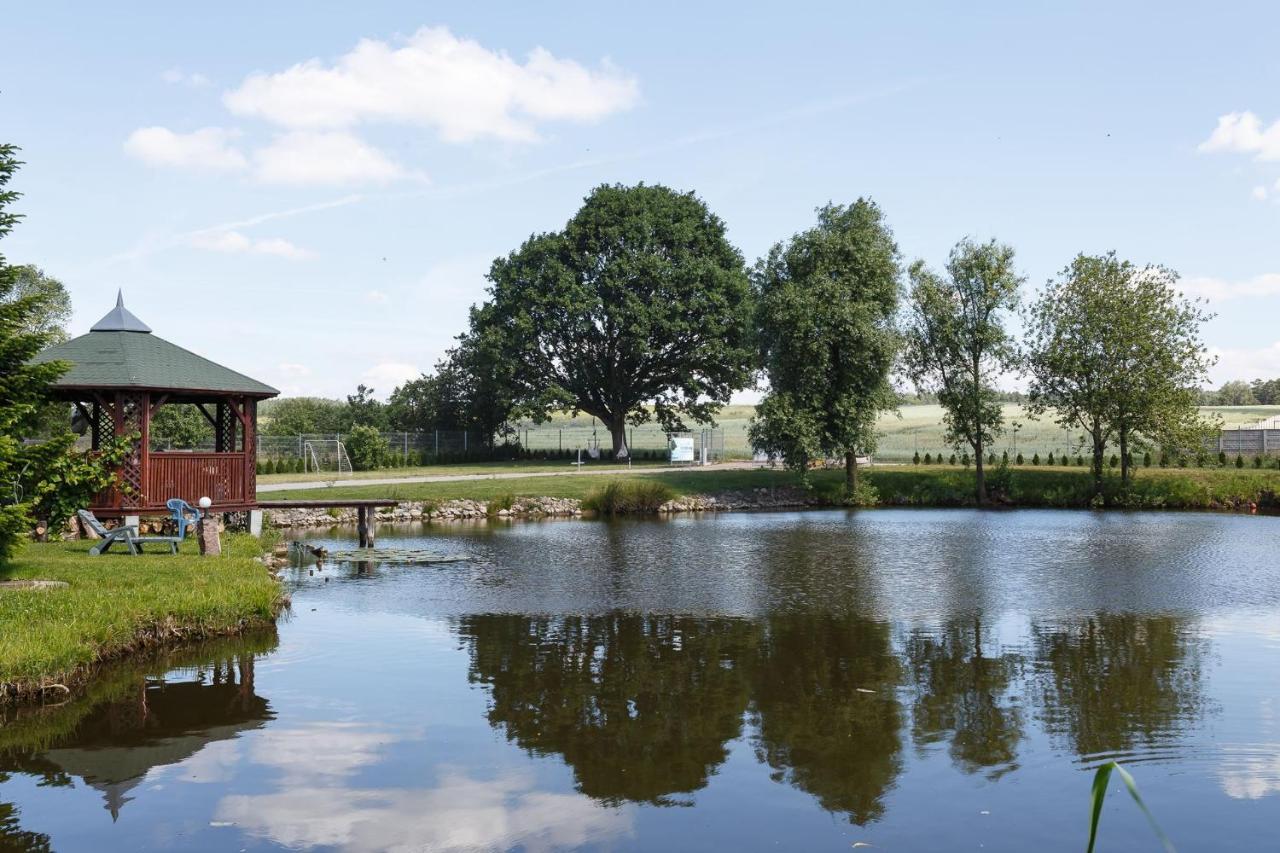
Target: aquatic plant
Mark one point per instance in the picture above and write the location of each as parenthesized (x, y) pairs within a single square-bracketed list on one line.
[(622, 497), (1099, 793)]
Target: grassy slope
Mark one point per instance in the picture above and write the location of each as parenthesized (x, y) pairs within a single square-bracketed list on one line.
[(939, 485), (117, 603)]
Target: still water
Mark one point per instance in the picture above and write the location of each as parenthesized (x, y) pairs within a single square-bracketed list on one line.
[(913, 680)]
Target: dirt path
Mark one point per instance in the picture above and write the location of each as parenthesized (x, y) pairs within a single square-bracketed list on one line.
[(264, 488)]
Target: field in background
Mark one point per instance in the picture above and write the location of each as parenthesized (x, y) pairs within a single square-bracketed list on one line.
[(914, 429)]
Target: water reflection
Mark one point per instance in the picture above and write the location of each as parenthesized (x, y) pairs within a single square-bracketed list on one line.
[(643, 707), (640, 707), (1112, 683), (133, 721), (966, 695)]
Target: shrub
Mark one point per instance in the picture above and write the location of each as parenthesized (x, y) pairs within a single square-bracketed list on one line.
[(1004, 458), (928, 459), (1222, 457), (1115, 461), (1079, 461), (964, 459), (1146, 459), (499, 503), (1239, 461), (915, 460), (1050, 459), (1035, 458), (1182, 461), (953, 459), (620, 497), (991, 459), (1020, 462), (1257, 462), (366, 447)]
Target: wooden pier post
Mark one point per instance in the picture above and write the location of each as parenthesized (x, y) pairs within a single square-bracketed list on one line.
[(364, 525)]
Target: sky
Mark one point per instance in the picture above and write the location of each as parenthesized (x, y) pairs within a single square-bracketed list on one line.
[(312, 193)]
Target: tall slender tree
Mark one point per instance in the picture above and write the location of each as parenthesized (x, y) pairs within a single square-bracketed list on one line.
[(826, 305), (23, 386), (957, 343)]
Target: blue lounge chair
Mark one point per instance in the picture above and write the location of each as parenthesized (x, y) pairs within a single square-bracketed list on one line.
[(125, 533)]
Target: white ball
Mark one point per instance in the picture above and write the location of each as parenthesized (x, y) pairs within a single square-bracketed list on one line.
[(205, 503)]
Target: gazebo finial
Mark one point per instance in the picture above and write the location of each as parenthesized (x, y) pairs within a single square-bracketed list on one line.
[(120, 319)]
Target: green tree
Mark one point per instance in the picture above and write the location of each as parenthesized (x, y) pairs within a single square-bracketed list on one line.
[(1116, 351), (366, 447), (23, 386), (1235, 393), (469, 390), (302, 415), (826, 304), (638, 309), (50, 312), (364, 409), (957, 344), (181, 426)]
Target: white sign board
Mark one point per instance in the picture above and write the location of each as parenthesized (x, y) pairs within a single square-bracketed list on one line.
[(681, 448)]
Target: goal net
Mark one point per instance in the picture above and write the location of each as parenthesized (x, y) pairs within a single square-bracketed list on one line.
[(326, 456)]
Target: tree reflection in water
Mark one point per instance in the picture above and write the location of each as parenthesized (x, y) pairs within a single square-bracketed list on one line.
[(642, 708), (966, 695), (1112, 682)]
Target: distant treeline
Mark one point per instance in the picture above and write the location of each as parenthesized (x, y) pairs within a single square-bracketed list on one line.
[(1259, 392)]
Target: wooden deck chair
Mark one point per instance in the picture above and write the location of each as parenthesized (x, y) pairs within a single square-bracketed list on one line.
[(126, 533)]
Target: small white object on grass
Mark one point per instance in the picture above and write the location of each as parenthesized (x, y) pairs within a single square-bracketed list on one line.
[(205, 503)]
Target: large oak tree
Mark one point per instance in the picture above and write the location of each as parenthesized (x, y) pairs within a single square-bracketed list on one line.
[(638, 309)]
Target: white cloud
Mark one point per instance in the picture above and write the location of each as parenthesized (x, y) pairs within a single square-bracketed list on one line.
[(234, 242), (330, 158), (385, 377), (377, 297), (208, 148), (460, 813), (291, 369), (1259, 193), (1245, 363), (1217, 289), (177, 75), (435, 79), (1243, 133)]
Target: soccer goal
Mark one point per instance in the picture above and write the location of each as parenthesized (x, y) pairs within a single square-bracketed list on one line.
[(326, 456)]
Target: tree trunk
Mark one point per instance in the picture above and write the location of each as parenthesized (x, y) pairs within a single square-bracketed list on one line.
[(1099, 448), (618, 431), (850, 472), (980, 472), (1124, 456)]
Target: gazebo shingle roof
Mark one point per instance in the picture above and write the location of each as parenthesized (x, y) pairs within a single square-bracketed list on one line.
[(121, 352)]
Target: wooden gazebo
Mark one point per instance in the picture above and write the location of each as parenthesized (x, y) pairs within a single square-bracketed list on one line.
[(120, 374)]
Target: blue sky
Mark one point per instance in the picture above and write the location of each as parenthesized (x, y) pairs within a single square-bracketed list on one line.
[(312, 194)]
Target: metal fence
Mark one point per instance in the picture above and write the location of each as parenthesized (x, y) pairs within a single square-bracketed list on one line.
[(417, 448)]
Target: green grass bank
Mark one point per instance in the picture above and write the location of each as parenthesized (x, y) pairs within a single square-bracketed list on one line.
[(896, 485), (115, 605)]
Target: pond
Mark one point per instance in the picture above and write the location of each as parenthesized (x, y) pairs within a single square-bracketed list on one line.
[(908, 679)]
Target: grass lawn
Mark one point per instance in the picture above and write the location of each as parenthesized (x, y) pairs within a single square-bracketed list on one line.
[(933, 485), (117, 604), (448, 470)]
